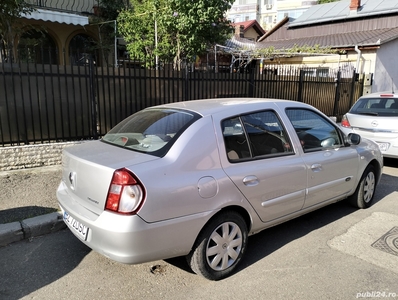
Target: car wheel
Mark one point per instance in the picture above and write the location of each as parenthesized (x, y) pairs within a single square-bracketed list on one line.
[(219, 247), (363, 196)]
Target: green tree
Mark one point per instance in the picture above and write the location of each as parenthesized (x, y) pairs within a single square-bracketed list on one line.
[(10, 22), (110, 9), (107, 12), (184, 28)]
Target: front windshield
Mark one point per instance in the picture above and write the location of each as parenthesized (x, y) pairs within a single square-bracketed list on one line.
[(384, 107), (151, 131)]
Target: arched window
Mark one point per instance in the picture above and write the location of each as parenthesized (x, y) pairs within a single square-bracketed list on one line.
[(37, 46), (82, 48)]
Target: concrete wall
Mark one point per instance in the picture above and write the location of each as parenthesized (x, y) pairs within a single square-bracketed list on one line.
[(32, 156), (386, 72)]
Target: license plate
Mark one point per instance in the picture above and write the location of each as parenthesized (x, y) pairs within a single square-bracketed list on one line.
[(76, 226), (383, 146)]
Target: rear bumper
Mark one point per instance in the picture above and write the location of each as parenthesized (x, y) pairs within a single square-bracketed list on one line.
[(392, 150), (128, 238)]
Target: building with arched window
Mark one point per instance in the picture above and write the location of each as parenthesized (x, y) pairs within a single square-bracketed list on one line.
[(62, 32)]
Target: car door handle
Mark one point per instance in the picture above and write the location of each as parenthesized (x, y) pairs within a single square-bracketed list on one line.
[(250, 180), (316, 167)]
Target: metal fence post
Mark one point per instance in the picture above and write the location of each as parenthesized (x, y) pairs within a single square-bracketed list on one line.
[(187, 82), (252, 70), (352, 93), (337, 93), (94, 115), (300, 87)]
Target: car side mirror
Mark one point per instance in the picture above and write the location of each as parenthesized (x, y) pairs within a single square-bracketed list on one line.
[(353, 139)]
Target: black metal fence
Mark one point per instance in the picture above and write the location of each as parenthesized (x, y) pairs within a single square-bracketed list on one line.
[(42, 103)]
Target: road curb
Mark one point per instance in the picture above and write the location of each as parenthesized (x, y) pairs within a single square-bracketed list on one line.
[(29, 228)]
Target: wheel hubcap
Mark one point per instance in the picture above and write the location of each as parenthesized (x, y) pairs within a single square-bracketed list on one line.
[(224, 246), (369, 187)]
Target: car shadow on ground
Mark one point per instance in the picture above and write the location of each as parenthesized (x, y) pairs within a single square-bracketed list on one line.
[(270, 240), (390, 162), (387, 183), (30, 265)]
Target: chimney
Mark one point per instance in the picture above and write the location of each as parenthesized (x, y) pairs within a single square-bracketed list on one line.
[(355, 5)]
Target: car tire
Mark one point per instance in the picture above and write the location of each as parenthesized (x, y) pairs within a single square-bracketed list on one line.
[(219, 247), (363, 196)]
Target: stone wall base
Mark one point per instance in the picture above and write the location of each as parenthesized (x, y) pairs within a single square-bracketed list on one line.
[(32, 156)]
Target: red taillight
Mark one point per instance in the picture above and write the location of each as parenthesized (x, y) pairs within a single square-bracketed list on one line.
[(386, 95), (125, 194), (344, 122)]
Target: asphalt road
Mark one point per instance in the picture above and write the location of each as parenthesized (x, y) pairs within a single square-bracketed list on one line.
[(28, 193), (337, 252)]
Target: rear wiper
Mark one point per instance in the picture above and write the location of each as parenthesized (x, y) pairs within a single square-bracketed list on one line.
[(368, 113)]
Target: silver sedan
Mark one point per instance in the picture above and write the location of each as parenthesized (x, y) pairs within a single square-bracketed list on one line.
[(375, 116), (197, 178)]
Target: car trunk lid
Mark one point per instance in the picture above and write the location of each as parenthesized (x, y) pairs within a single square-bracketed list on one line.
[(380, 126), (88, 170)]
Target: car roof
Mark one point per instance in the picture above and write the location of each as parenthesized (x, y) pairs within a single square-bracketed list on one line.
[(386, 94), (212, 106)]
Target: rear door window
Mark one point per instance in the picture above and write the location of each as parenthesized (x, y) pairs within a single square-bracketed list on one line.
[(255, 135)]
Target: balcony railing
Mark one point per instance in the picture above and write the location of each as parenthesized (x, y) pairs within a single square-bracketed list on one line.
[(244, 8), (69, 6)]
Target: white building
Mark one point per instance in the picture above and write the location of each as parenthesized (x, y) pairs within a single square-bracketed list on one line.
[(267, 12)]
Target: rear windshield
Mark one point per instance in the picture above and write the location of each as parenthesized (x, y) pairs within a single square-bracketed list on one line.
[(385, 107), (151, 131)]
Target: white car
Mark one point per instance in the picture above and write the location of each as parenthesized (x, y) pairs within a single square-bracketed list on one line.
[(375, 117), (197, 178)]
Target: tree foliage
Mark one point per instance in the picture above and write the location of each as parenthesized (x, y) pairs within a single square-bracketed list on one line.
[(110, 9), (185, 28), (10, 22), (105, 16)]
